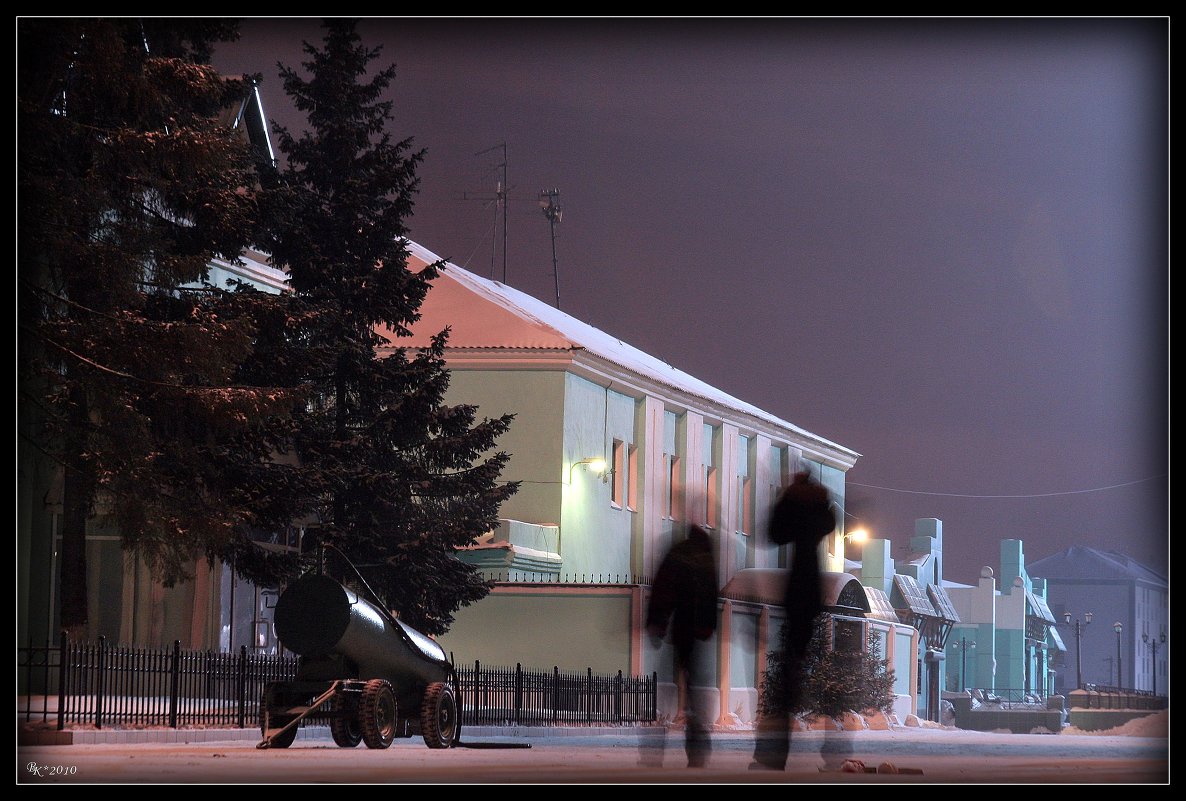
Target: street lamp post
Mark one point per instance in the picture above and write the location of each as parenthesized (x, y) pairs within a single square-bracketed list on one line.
[(964, 645), (1152, 643), (1066, 617), (1118, 627)]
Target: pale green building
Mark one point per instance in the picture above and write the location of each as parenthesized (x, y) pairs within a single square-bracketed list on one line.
[(616, 452)]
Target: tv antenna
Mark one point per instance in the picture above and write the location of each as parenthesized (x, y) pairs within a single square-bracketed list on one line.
[(500, 207), (549, 203)]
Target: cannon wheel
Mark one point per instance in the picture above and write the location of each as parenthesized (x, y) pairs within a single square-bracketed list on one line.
[(346, 730), (439, 723), (376, 714)]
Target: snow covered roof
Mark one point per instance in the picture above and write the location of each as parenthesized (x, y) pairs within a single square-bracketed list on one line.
[(765, 585), (1080, 562), (488, 316)]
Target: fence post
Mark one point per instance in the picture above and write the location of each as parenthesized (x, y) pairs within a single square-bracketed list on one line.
[(175, 684), (62, 660), (242, 689), (100, 676), (555, 693), (589, 695), (518, 690), (618, 698), (29, 680), (477, 691), (654, 696)]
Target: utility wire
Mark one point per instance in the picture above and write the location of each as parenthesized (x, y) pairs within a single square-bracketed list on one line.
[(1031, 495)]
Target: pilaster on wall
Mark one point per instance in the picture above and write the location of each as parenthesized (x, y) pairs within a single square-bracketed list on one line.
[(648, 518), (724, 654), (690, 439), (726, 456)]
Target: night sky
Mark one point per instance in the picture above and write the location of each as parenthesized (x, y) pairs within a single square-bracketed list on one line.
[(943, 244)]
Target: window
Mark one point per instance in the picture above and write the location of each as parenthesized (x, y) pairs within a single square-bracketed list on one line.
[(673, 487), (710, 455), (710, 496), (617, 474), (746, 467), (632, 477), (745, 506)]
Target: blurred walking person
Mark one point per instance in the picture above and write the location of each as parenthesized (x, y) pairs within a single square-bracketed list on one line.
[(685, 594), (802, 517)]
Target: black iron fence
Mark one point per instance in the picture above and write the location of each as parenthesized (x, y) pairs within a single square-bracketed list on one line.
[(80, 684), (126, 687), (500, 696)]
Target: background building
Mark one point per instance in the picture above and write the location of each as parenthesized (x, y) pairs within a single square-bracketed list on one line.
[(126, 605), (1114, 589)]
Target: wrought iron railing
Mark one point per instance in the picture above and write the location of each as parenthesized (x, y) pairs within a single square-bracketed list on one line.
[(517, 696), (102, 685)]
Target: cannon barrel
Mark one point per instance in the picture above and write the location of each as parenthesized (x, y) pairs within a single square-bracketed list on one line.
[(317, 617)]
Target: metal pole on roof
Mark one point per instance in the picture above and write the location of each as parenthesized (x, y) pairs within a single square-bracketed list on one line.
[(553, 212), (500, 204)]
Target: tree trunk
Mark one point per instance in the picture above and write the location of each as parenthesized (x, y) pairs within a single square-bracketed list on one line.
[(77, 489)]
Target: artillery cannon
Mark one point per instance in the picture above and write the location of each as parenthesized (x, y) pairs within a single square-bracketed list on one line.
[(375, 677)]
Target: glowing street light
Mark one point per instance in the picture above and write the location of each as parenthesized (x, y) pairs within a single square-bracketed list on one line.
[(857, 535), (594, 464)]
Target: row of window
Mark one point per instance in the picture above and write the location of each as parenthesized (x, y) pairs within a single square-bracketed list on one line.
[(624, 476)]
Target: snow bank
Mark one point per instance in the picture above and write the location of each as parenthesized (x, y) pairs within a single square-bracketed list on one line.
[(1155, 725)]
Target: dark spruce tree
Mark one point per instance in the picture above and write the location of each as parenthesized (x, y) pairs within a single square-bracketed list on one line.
[(130, 180), (834, 680), (399, 479)]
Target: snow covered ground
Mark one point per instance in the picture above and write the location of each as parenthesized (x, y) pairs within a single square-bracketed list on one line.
[(1136, 753)]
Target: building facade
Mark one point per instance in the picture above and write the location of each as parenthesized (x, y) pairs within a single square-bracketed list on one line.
[(1114, 589), (617, 452), (1006, 642), (214, 610)]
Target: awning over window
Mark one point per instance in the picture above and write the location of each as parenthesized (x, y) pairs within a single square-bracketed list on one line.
[(1039, 609), (912, 598), (942, 603), (914, 606), (880, 606)]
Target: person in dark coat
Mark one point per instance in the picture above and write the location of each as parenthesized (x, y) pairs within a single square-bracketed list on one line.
[(684, 593), (802, 517)]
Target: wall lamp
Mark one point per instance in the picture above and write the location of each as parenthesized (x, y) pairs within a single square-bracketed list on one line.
[(595, 464)]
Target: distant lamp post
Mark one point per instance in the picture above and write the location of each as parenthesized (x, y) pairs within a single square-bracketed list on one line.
[(1118, 627), (1066, 617), (1152, 643), (963, 645)]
